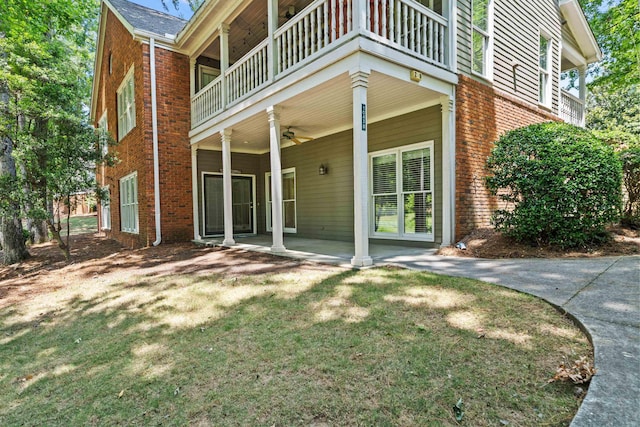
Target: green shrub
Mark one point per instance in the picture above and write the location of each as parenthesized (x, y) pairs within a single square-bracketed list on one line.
[(560, 184)]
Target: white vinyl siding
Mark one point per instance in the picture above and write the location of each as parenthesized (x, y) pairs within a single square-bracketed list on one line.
[(129, 203), (126, 105), (544, 71), (482, 38), (402, 192), (289, 221)]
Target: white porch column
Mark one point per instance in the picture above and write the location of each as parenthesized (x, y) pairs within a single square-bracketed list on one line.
[(192, 76), (582, 90), (225, 136), (447, 106), (359, 84), (272, 24), (194, 192), (276, 179), (224, 60)]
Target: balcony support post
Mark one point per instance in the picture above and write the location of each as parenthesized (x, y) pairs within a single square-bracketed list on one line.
[(582, 90), (273, 112), (359, 85), (447, 108), (192, 76), (224, 61), (194, 192), (225, 137), (272, 26)]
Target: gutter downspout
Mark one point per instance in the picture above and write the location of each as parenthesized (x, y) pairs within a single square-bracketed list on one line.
[(154, 128)]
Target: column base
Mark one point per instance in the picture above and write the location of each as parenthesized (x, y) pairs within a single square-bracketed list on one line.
[(278, 249), (361, 261), (228, 242)]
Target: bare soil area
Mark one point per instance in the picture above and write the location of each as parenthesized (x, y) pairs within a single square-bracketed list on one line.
[(489, 243), (96, 257)]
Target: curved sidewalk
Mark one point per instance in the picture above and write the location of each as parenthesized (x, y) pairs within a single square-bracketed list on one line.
[(601, 293)]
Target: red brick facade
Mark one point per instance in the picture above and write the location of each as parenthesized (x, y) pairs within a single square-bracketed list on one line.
[(482, 115), (135, 150)]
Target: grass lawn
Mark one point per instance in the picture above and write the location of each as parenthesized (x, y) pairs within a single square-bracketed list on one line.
[(323, 346), (80, 224)]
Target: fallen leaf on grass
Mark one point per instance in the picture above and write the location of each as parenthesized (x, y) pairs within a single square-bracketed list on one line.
[(579, 373), (121, 393), (458, 411)]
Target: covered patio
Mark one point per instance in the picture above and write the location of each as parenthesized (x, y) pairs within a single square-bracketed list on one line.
[(326, 251)]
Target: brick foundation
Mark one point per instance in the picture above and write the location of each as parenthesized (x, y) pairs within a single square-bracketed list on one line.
[(482, 115)]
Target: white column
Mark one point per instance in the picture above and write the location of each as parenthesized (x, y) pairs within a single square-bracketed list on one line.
[(225, 136), (224, 60), (582, 90), (194, 192), (192, 76), (359, 84), (276, 179), (272, 23), (447, 106)]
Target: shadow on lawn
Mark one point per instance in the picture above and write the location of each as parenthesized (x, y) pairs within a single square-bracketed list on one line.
[(301, 344)]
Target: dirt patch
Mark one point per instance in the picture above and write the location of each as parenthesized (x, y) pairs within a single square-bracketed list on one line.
[(488, 243), (96, 257)]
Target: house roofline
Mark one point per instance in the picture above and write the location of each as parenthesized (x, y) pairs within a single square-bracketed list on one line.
[(579, 26)]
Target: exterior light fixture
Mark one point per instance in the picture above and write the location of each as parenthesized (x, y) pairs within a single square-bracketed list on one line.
[(323, 170)]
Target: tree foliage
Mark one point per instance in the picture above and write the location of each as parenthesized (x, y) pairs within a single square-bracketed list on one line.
[(616, 26), (560, 184), (46, 57)]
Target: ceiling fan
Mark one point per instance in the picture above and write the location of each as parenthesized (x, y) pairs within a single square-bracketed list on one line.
[(291, 136)]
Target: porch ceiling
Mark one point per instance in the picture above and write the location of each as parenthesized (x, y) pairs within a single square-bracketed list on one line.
[(326, 109)]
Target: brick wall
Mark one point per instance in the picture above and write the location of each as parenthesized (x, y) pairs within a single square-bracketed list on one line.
[(482, 115), (135, 150)]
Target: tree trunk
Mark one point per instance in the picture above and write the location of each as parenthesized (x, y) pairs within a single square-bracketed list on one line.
[(14, 248)]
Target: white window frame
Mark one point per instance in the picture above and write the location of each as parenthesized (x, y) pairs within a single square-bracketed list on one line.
[(105, 209), (267, 198), (103, 132), (487, 66), (129, 217), (126, 102), (202, 69), (544, 93), (399, 193)]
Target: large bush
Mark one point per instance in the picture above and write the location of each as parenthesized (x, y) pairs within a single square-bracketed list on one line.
[(561, 185)]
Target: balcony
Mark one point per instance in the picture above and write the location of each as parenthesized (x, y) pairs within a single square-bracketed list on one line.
[(405, 26), (571, 109)]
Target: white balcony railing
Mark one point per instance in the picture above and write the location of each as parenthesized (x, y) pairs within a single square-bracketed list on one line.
[(404, 25), (571, 109)]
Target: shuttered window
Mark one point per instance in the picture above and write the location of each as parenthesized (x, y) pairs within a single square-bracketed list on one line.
[(105, 209), (544, 72), (129, 203), (126, 105), (482, 37), (103, 135), (402, 192)]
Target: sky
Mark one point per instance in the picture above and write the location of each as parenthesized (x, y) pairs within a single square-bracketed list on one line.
[(183, 12)]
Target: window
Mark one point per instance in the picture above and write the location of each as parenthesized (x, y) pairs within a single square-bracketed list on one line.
[(206, 75), (288, 200), (105, 209), (129, 203), (402, 192), (544, 72), (103, 135), (482, 40), (126, 105)]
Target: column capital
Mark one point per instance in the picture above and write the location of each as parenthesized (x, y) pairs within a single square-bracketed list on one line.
[(273, 112), (224, 28), (225, 134), (359, 78), (446, 103)]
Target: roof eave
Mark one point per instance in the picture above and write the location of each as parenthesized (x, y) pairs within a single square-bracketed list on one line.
[(579, 26)]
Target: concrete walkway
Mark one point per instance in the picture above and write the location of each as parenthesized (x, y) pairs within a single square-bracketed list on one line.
[(603, 294)]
